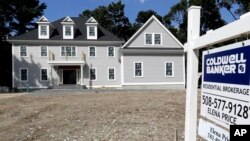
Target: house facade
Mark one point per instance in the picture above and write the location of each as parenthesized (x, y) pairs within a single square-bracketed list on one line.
[(79, 51), (154, 58)]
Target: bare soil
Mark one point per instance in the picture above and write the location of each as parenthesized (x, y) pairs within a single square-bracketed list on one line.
[(114, 116)]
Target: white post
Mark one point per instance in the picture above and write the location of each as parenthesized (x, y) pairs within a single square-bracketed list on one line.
[(51, 79), (192, 74), (82, 83)]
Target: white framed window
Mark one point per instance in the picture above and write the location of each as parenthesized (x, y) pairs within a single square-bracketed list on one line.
[(91, 31), (43, 31), (111, 73), (68, 51), (23, 74), (148, 39), (92, 51), (68, 30), (153, 38), (138, 69), (44, 51), (111, 51), (157, 40), (23, 51), (169, 69), (92, 74), (44, 74)]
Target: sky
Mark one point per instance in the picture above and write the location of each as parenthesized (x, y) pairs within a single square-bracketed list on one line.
[(57, 9)]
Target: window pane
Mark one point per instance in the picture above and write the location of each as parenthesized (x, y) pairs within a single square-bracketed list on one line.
[(111, 51), (91, 31), (169, 69), (68, 30), (24, 74), (44, 74), (43, 51), (92, 74), (43, 30), (158, 39), (92, 51), (138, 69), (111, 74), (149, 39), (23, 51)]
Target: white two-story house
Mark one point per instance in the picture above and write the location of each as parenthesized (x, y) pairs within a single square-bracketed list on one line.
[(79, 51)]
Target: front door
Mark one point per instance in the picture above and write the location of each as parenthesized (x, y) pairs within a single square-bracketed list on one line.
[(69, 76)]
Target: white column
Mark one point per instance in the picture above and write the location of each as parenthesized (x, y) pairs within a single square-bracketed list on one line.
[(51, 79), (192, 74), (82, 83)]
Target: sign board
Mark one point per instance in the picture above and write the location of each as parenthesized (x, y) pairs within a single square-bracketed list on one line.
[(226, 85), (211, 132)]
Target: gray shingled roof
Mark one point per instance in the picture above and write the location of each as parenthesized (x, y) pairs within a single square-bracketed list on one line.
[(80, 29)]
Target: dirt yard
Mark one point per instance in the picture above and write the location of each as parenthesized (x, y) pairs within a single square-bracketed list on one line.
[(112, 116)]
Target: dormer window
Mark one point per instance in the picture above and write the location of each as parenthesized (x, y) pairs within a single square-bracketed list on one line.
[(92, 28), (68, 28), (43, 28)]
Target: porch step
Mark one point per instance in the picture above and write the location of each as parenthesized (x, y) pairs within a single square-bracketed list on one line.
[(69, 87)]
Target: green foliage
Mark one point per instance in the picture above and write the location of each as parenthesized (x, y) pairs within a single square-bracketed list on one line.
[(177, 17), (143, 16), (112, 18), (16, 17), (243, 6)]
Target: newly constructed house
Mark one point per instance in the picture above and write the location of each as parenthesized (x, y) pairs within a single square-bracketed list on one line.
[(79, 51)]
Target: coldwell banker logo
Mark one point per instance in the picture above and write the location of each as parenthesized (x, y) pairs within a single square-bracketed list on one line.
[(228, 64)]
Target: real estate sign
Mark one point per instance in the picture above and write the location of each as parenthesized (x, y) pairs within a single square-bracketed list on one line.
[(226, 85)]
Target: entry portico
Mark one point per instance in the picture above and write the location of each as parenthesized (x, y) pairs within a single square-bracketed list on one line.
[(62, 65)]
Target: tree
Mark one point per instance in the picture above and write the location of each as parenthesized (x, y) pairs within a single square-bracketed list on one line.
[(112, 18), (101, 14), (243, 6), (143, 16), (120, 23), (16, 17), (177, 17)]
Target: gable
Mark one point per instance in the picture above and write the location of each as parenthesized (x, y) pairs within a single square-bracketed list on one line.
[(153, 26)]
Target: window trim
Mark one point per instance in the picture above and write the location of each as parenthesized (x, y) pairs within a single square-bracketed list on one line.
[(153, 39), (160, 36), (142, 72), (95, 52), (114, 73), (64, 32), (20, 74), (95, 74), (20, 51), (41, 75), (165, 68), (96, 32), (69, 26), (40, 36), (45, 30), (108, 52), (46, 50), (145, 39), (65, 50)]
